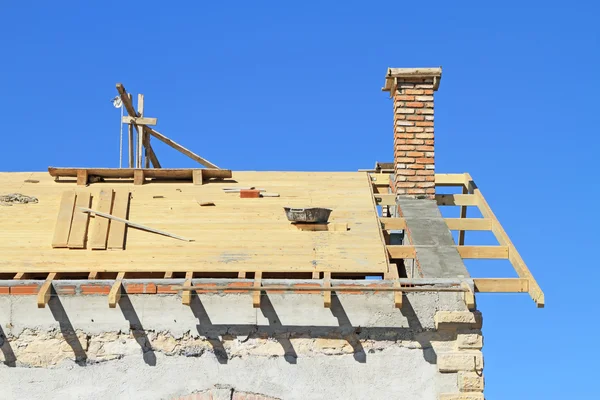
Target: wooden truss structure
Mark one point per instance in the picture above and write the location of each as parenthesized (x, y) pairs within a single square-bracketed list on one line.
[(144, 153)]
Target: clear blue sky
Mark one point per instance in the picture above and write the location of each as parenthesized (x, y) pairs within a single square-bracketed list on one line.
[(266, 86)]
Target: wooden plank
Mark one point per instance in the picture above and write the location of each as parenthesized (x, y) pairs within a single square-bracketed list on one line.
[(456, 200), (186, 296), (385, 199), (128, 119), (79, 225), (326, 285), (138, 177), (197, 178), (393, 223), (380, 179), (242, 275), (135, 225), (162, 173), (140, 139), (449, 179), (82, 177), (63, 221), (99, 229), (501, 285), (469, 224), (115, 291), (93, 275), (401, 251), (45, 291), (181, 149), (483, 252), (130, 139), (256, 294), (116, 235), (169, 275)]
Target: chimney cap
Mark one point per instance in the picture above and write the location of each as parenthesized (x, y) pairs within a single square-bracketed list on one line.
[(393, 74)]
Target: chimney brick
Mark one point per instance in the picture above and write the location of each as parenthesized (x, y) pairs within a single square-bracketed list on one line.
[(412, 91)]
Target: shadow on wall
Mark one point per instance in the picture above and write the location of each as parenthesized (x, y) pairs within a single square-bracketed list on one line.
[(216, 334)]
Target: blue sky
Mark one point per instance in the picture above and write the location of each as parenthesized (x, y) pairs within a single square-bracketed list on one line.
[(296, 86)]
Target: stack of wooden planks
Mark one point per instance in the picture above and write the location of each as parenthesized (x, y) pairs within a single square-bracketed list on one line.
[(71, 230)]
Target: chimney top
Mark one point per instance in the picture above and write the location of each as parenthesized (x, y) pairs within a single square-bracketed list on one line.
[(393, 74)]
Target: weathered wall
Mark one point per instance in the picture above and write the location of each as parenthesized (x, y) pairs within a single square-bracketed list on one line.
[(153, 347)]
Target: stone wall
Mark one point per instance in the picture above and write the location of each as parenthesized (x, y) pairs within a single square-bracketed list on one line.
[(153, 347)]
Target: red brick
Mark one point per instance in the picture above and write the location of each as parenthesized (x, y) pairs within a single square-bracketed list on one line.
[(424, 135), (207, 291), (415, 104), (406, 172), (405, 184), (4, 290), (429, 91), (65, 290), (165, 289), (405, 160), (416, 118), (310, 285), (405, 135), (150, 288), (424, 123), (416, 179), (405, 147), (413, 91), (95, 289), (425, 160), (415, 154), (414, 130), (415, 141), (249, 194), (426, 185), (429, 142), (238, 285), (426, 172), (425, 148), (134, 288), (404, 98), (416, 166), (24, 289)]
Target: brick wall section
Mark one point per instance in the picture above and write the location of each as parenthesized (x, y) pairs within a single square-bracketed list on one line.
[(414, 137)]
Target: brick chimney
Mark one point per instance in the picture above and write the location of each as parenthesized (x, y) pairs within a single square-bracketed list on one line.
[(412, 91)]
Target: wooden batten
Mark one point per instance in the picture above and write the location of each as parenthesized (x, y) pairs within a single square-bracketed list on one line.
[(256, 293), (115, 291)]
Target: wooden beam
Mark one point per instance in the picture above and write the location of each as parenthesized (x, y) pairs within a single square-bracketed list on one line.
[(401, 251), (134, 224), (327, 294), (449, 179), (162, 173), (380, 179), (140, 142), (469, 224), (256, 294), (463, 215), (79, 225), (130, 137), (456, 200), (126, 99), (127, 119), (99, 230), (385, 199), (45, 291), (393, 223), (186, 296), (468, 296), (115, 291), (181, 149), (82, 177), (483, 252), (63, 221), (138, 177), (93, 275), (515, 258), (197, 177), (501, 285)]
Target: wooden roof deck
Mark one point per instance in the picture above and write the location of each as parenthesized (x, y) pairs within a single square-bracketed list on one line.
[(235, 235)]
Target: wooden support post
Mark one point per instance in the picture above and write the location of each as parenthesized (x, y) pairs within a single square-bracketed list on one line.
[(147, 148), (93, 275), (82, 177), (256, 293), (140, 143), (168, 275), (130, 138), (468, 296), (463, 214), (45, 291), (197, 177), (327, 294), (316, 275), (138, 177), (186, 296), (115, 291), (242, 275)]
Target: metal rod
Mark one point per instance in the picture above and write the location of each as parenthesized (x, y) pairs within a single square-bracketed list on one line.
[(324, 289), (133, 224)]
